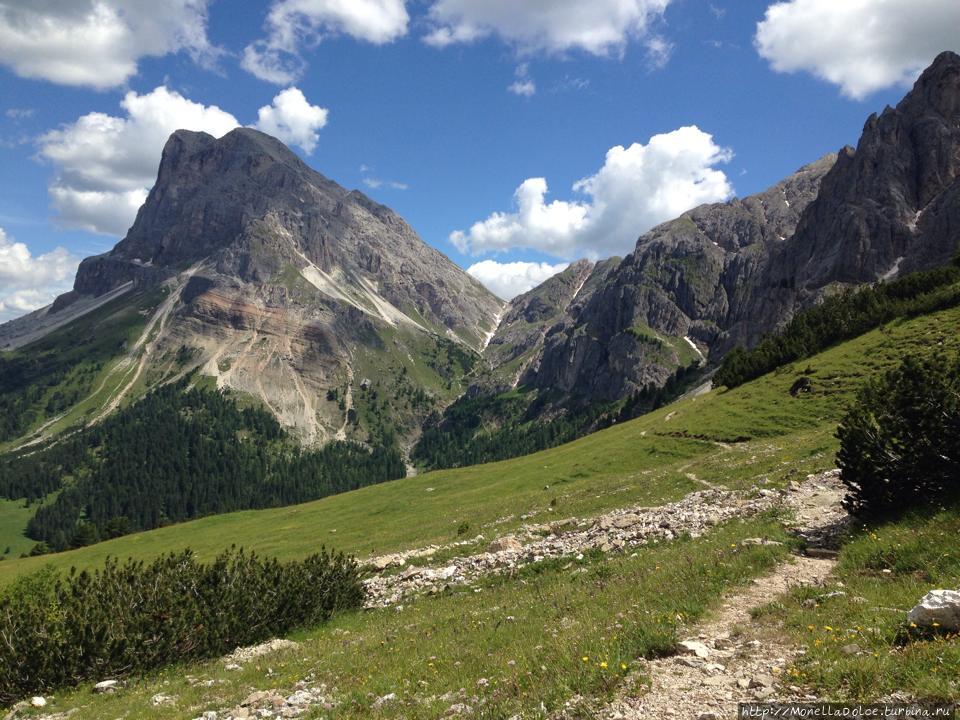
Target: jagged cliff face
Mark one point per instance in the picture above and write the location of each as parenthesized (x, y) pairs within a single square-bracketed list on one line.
[(516, 349), (279, 283), (726, 274)]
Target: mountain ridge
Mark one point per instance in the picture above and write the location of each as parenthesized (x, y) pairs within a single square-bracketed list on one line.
[(726, 274)]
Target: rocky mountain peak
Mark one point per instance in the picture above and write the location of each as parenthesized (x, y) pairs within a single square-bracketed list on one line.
[(725, 274)]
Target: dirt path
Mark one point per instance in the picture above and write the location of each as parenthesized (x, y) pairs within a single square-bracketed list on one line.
[(725, 663), (724, 659)]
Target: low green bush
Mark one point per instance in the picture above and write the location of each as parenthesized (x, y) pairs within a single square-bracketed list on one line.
[(131, 617), (900, 441)]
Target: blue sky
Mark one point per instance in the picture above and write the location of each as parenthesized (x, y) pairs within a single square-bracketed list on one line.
[(477, 116)]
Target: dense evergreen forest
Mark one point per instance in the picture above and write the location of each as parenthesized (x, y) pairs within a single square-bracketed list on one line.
[(488, 428), (178, 454), (841, 317)]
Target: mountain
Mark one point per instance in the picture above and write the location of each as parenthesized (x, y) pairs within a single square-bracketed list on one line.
[(726, 274), (279, 284)]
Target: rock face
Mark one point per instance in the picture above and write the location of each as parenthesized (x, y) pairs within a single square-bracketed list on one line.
[(281, 283), (254, 210), (518, 343), (726, 274)]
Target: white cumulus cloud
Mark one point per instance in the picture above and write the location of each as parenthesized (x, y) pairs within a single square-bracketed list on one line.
[(600, 27), (294, 24), (28, 283), (98, 43), (293, 120), (638, 187), (104, 164), (509, 279), (860, 45)]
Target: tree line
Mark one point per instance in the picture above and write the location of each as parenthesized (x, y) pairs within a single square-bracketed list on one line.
[(487, 428), (842, 317), (175, 455)]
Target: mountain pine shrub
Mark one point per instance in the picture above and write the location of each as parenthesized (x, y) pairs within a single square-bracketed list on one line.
[(900, 441), (130, 617)]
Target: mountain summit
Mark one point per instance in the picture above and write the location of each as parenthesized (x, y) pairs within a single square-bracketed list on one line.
[(281, 284)]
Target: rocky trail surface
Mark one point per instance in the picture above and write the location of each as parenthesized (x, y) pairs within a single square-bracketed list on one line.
[(815, 503), (719, 664), (725, 660)]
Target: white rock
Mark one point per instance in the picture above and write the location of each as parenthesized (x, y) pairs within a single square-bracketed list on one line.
[(106, 686), (38, 702), (381, 701), (446, 573), (694, 647), (940, 607), (160, 699)]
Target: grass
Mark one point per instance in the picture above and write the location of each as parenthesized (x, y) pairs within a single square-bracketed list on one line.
[(883, 572), (13, 519), (756, 433), (88, 350), (559, 629)]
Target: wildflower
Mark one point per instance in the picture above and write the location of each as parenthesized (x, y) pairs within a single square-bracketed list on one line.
[(586, 658), (603, 665), (623, 666)]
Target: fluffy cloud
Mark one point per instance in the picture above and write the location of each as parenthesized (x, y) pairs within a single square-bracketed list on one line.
[(637, 188), (507, 280), (293, 120), (599, 27), (28, 283), (105, 165), (292, 24), (98, 43), (860, 45)]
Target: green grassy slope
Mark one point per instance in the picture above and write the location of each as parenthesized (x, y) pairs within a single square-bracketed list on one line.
[(757, 432), (13, 519), (76, 366), (569, 628)]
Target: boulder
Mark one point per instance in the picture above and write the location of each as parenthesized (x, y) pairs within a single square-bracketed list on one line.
[(106, 686), (939, 609), (694, 647)]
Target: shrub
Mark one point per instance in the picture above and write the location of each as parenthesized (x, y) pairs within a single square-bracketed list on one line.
[(900, 442), (130, 617)]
